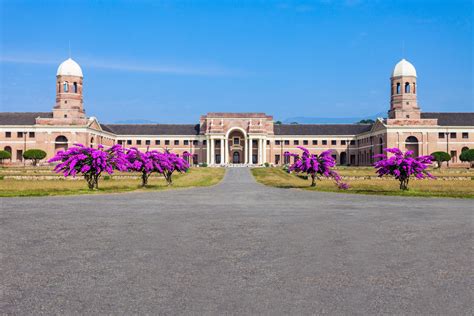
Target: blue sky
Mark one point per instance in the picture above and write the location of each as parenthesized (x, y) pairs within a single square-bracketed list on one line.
[(171, 61)]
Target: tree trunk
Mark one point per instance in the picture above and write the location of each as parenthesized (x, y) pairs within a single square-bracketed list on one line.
[(145, 178), (404, 184), (313, 180)]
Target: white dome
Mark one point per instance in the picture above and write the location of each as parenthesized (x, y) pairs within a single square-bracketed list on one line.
[(404, 68), (69, 68)]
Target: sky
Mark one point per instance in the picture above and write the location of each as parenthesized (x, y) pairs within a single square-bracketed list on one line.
[(172, 61)]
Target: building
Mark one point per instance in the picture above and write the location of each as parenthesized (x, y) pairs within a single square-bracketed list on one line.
[(241, 138)]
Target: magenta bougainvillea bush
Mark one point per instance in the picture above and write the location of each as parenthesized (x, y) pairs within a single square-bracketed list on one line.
[(316, 166), (165, 163), (402, 166), (90, 162)]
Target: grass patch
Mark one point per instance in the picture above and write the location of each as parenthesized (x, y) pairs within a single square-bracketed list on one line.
[(195, 177), (279, 178)]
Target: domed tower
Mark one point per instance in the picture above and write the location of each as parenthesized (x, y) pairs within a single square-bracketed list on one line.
[(403, 103), (69, 101)]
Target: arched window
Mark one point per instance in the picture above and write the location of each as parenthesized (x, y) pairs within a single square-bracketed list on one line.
[(59, 87), (75, 87), (407, 87), (92, 142), (414, 87), (464, 149), (398, 88), (9, 149), (60, 143), (66, 86), (411, 143)]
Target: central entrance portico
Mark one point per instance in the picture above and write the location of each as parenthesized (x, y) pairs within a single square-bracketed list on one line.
[(236, 138)]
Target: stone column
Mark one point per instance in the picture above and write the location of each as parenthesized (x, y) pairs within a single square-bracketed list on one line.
[(260, 147), (246, 151), (264, 152), (227, 153), (222, 151), (250, 151), (208, 150), (213, 154)]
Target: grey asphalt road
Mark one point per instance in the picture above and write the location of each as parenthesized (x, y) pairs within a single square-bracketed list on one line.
[(236, 248)]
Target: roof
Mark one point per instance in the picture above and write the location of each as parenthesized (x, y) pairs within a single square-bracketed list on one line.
[(152, 129), (404, 68), (22, 118), (451, 118), (321, 129), (69, 68)]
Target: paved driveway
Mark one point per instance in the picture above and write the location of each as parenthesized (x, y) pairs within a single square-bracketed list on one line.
[(238, 247)]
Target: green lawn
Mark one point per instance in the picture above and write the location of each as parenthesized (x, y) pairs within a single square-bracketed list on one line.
[(195, 177), (277, 177)]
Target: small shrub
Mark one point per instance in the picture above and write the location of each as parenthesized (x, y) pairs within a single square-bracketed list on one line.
[(266, 165), (440, 157), (34, 155), (203, 165), (107, 178), (4, 155), (467, 156), (2, 177)]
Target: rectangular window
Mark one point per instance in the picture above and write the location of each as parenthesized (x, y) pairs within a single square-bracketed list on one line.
[(147, 142), (287, 142), (286, 159), (333, 142), (353, 142), (305, 142), (465, 135), (454, 155), (139, 142), (440, 135), (186, 142), (296, 142), (157, 142), (19, 134), (176, 142), (167, 142), (119, 142), (315, 142), (277, 142), (32, 135), (343, 142), (19, 155), (129, 141), (277, 159), (8, 134), (325, 142), (236, 141), (268, 142), (195, 142), (453, 135)]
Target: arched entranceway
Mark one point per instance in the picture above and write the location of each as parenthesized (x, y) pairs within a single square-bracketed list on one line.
[(60, 143), (411, 143), (236, 146), (236, 157), (343, 158)]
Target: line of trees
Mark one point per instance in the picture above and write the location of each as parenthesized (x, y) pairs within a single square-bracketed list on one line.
[(91, 163)]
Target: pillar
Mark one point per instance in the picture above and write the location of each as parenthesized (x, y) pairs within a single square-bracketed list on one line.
[(246, 152), (213, 153), (250, 151), (208, 151), (222, 151), (264, 152)]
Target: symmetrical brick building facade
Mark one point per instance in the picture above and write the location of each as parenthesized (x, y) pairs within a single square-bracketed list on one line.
[(241, 138)]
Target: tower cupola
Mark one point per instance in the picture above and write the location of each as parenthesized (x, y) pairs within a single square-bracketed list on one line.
[(403, 101), (69, 100)]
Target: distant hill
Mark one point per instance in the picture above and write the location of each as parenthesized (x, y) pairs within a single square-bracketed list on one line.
[(330, 120)]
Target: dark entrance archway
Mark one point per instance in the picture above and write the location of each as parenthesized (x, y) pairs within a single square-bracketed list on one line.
[(236, 157), (60, 143), (411, 143), (343, 158)]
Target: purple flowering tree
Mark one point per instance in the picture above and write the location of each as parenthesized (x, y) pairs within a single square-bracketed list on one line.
[(316, 166), (90, 162), (170, 162), (403, 166), (145, 163)]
